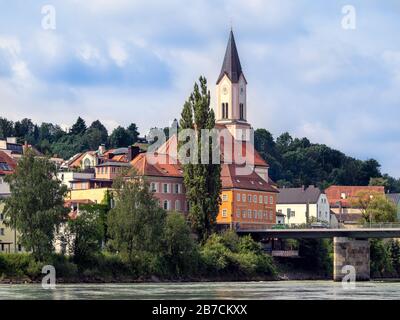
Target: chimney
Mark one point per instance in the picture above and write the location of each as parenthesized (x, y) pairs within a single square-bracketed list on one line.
[(102, 149), (133, 151)]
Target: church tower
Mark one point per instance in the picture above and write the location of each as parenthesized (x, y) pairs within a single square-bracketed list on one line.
[(231, 106)]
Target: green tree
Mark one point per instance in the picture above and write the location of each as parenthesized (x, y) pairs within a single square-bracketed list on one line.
[(380, 259), (79, 127), (136, 222), (119, 138), (6, 128), (36, 205), (180, 252), (84, 236), (375, 207), (395, 254), (202, 181), (133, 133)]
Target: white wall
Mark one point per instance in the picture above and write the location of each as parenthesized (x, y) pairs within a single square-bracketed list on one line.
[(4, 187)]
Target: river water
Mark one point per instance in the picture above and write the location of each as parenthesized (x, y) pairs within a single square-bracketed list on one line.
[(297, 290)]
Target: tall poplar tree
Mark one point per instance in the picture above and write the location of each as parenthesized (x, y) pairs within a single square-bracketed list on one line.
[(202, 181)]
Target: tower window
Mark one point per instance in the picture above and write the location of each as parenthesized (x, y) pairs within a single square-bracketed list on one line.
[(224, 110), (241, 111)]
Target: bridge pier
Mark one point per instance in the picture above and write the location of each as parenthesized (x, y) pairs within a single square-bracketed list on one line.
[(353, 252)]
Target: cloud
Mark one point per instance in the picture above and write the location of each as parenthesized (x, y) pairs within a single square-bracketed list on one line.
[(128, 61)]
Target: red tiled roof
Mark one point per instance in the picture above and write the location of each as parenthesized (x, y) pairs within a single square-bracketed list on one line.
[(5, 158), (143, 167), (334, 193), (253, 181)]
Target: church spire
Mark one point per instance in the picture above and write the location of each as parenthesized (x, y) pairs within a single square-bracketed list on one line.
[(231, 66)]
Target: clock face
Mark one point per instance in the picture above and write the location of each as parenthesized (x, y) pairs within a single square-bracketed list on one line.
[(225, 90)]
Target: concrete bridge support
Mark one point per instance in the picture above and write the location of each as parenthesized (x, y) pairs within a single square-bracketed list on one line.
[(353, 252)]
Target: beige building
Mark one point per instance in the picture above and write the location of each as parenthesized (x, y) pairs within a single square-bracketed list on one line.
[(8, 237)]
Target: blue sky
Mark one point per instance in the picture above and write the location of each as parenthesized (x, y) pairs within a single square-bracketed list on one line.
[(125, 61)]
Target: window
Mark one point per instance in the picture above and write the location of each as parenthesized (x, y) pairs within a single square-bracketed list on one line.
[(255, 214), (260, 214), (225, 112), (177, 205), (224, 197), (249, 214), (266, 199), (19, 247), (265, 214), (153, 187), (243, 197), (255, 199), (270, 215), (177, 188), (165, 187), (260, 198), (249, 198), (224, 213), (241, 111), (343, 195), (244, 213), (1, 231), (238, 197), (166, 205), (271, 199), (86, 163), (1, 216), (238, 213)]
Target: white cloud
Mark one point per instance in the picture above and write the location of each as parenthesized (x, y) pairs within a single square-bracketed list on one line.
[(118, 53)]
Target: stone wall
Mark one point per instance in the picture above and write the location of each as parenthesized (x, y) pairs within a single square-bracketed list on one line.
[(351, 252)]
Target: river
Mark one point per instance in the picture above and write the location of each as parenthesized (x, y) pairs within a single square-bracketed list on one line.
[(298, 290)]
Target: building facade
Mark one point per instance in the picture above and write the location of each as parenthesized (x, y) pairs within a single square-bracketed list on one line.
[(303, 205)]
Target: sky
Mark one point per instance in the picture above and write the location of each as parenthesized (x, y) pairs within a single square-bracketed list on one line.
[(126, 61)]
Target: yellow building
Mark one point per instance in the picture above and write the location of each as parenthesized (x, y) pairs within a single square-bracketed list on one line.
[(94, 195)]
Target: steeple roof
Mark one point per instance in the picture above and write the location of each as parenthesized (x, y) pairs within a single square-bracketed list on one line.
[(231, 66)]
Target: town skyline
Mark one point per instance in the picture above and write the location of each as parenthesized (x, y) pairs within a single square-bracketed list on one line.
[(298, 76)]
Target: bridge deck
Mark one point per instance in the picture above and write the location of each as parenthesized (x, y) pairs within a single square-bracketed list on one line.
[(361, 233)]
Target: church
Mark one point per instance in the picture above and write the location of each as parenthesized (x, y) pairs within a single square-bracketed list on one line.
[(247, 200)]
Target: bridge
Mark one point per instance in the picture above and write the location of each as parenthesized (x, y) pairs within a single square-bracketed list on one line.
[(350, 246)]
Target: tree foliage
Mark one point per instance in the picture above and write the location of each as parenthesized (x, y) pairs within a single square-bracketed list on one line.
[(375, 207), (295, 162), (36, 205), (202, 181), (136, 222)]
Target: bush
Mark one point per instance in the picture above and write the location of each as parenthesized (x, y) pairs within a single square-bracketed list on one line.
[(19, 265), (181, 252), (229, 254)]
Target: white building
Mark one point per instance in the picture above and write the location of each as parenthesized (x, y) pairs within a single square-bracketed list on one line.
[(299, 203)]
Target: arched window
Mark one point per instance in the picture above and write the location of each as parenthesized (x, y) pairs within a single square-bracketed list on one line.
[(86, 163), (241, 111)]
